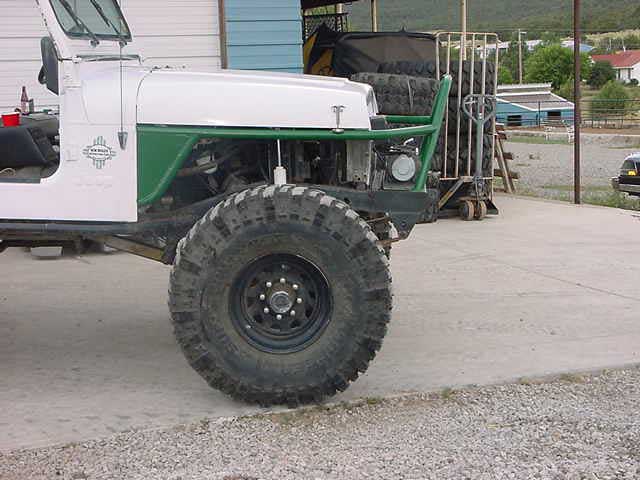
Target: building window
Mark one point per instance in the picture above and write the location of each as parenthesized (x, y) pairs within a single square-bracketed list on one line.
[(554, 115), (514, 120)]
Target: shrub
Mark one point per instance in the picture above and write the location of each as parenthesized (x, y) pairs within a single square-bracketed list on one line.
[(613, 99), (601, 73)]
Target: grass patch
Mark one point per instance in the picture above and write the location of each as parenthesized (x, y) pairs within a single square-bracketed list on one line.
[(598, 195), (537, 140), (569, 188), (625, 147), (447, 393), (571, 378)]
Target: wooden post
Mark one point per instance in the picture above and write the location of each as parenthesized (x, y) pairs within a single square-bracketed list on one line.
[(576, 103), (374, 15), (222, 26), (520, 62)]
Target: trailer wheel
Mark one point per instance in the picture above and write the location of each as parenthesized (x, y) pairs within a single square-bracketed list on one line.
[(280, 295), (467, 210), (481, 210)]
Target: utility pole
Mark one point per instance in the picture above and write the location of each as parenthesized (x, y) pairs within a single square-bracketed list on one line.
[(463, 37), (520, 60), (374, 15), (576, 108)]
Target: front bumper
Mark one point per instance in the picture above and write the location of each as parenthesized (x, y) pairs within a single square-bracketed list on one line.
[(405, 208), (625, 187)]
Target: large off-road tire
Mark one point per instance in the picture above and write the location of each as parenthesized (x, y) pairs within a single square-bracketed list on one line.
[(428, 69), (438, 158), (281, 249), (401, 94)]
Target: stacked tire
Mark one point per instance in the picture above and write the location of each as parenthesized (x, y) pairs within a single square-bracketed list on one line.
[(463, 155), (401, 94), (427, 69), (462, 85)]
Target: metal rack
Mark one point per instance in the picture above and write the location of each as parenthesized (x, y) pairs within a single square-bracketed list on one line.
[(473, 47)]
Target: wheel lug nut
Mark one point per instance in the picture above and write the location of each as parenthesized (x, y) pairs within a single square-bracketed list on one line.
[(269, 284), (278, 317), (298, 300), (266, 310), (282, 280), (295, 287), (293, 313), (263, 297)]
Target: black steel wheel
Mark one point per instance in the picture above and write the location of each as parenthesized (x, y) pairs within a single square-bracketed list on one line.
[(281, 303), (280, 295)]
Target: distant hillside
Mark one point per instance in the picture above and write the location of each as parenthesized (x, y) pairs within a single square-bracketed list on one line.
[(499, 15)]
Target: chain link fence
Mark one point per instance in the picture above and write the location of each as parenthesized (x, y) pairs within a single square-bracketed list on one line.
[(337, 22)]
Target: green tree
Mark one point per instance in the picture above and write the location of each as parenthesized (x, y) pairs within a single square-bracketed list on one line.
[(505, 77), (601, 73), (566, 90), (554, 64), (613, 99), (510, 59)]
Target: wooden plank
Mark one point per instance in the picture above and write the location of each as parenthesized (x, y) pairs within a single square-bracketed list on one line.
[(498, 173)]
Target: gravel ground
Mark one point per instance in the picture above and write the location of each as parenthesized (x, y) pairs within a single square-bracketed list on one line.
[(545, 166), (576, 427)]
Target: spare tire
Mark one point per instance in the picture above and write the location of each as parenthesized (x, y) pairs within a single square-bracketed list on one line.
[(428, 69), (463, 155), (401, 94)]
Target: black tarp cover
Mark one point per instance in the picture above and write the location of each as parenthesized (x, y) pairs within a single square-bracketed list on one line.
[(364, 51)]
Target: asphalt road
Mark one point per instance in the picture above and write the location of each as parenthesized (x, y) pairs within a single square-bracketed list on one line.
[(86, 349)]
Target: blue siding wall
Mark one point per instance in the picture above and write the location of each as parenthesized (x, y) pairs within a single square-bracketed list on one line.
[(528, 117), (264, 35)]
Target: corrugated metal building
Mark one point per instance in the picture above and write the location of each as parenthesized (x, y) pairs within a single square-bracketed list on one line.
[(532, 105)]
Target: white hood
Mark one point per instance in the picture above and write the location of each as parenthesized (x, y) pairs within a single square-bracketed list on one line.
[(252, 99)]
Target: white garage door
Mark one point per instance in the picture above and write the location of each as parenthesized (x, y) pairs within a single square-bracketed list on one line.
[(171, 32)]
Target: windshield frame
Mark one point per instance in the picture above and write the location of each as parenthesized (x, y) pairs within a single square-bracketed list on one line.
[(126, 35)]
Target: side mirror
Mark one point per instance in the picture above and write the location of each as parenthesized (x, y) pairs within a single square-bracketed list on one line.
[(49, 73)]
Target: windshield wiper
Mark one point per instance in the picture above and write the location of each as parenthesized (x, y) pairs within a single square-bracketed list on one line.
[(108, 22), (94, 39)]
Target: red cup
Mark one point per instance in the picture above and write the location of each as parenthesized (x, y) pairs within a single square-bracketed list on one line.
[(11, 119)]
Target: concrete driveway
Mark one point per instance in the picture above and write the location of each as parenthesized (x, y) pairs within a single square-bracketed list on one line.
[(86, 348)]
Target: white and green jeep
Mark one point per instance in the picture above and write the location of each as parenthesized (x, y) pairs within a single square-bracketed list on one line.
[(272, 195)]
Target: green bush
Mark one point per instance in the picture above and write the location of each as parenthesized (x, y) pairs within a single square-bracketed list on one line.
[(613, 99), (505, 77), (567, 90), (601, 73)]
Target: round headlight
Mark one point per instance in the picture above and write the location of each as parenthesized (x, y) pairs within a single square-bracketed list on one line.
[(403, 168)]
